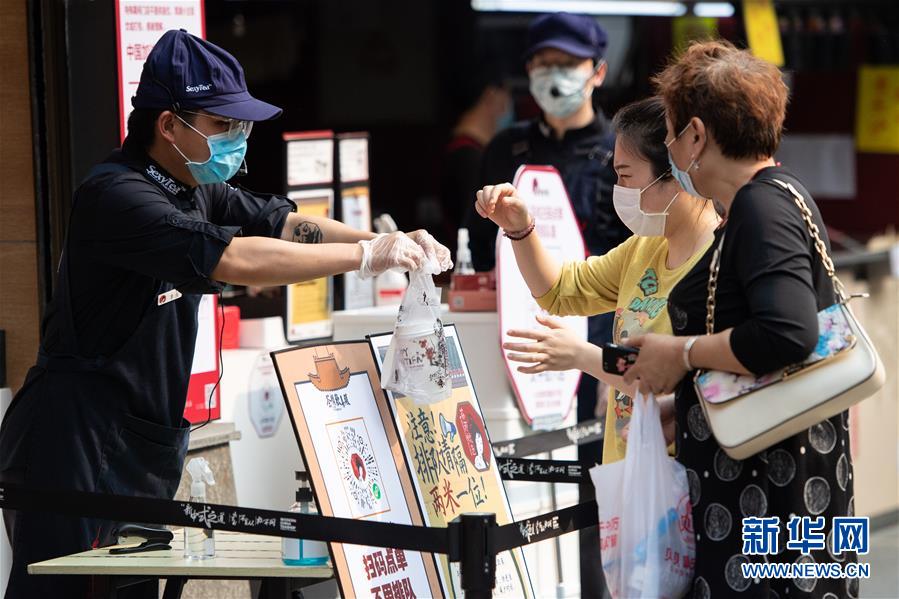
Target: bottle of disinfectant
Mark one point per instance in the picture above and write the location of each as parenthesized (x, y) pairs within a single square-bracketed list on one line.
[(463, 254), (199, 543), (300, 552)]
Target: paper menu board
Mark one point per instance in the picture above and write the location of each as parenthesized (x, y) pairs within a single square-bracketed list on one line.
[(355, 462), (310, 158), (453, 466), (356, 213), (309, 303), (353, 152)]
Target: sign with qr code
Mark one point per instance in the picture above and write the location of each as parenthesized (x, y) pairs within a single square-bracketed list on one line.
[(355, 463)]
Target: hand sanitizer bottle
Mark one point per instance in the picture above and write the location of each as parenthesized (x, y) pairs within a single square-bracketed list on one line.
[(199, 543), (463, 254), (300, 552)]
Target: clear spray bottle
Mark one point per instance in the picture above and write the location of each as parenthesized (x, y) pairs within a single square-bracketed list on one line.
[(199, 543)]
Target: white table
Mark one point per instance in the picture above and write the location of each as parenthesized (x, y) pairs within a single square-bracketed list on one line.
[(237, 556)]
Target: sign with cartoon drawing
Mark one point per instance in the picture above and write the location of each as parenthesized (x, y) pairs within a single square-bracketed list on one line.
[(356, 464), (452, 465)]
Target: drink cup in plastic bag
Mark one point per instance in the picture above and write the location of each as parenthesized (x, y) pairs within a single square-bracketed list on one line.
[(645, 518), (417, 361)]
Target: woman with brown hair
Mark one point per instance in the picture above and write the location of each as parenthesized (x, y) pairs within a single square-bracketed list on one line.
[(725, 111)]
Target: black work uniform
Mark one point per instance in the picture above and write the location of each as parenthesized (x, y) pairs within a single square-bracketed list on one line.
[(102, 410), (583, 158)]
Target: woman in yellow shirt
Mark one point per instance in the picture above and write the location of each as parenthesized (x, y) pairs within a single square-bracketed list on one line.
[(672, 230)]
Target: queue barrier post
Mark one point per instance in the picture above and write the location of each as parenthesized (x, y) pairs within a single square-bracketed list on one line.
[(473, 545)]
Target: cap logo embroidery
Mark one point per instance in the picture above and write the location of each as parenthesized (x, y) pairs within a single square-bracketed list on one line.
[(200, 87)]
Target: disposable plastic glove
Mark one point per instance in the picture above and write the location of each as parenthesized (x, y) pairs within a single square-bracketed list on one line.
[(387, 251), (436, 252)]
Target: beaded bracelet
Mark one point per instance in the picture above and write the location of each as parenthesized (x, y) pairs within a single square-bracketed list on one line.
[(519, 235)]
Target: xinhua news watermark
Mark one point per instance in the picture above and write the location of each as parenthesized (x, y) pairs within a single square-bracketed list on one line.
[(806, 534)]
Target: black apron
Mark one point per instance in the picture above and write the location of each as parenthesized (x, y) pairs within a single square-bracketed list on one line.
[(78, 424)]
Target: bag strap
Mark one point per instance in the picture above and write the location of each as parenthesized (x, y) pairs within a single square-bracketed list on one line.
[(799, 200)]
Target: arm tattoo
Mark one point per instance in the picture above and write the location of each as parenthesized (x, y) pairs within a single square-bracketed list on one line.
[(307, 232)]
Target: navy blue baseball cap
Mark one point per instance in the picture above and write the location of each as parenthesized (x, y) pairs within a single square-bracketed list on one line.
[(184, 71), (575, 34)]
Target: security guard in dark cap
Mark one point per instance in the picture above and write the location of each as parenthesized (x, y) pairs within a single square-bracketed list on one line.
[(564, 64), (152, 228)]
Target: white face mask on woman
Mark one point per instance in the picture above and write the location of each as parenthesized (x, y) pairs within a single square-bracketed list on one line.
[(627, 205)]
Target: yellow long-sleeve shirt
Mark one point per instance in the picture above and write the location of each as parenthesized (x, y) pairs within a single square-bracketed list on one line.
[(634, 281)]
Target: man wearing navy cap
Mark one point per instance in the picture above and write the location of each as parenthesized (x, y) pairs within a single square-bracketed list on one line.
[(564, 61), (152, 228)]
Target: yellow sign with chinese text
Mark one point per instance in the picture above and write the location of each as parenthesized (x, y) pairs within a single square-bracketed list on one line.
[(762, 30), (877, 112), (453, 466), (309, 303)]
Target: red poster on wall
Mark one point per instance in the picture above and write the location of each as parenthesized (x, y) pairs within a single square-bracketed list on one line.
[(139, 24)]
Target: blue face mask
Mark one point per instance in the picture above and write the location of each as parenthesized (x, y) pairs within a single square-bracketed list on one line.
[(506, 120), (683, 177), (226, 155)]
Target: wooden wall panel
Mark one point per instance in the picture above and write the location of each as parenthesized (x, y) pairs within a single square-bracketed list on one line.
[(19, 313)]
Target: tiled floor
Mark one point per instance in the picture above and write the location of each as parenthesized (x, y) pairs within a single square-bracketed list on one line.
[(884, 560)]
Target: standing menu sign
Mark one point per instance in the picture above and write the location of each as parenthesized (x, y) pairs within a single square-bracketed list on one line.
[(453, 467), (353, 209), (139, 25), (545, 399), (356, 464), (310, 176)]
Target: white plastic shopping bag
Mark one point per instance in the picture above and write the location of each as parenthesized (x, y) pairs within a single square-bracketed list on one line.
[(645, 518), (417, 362)]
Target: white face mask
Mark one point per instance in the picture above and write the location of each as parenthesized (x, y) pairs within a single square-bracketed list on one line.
[(560, 91), (627, 205)]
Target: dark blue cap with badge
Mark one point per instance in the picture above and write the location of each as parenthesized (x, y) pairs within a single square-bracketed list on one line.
[(184, 71), (574, 34)]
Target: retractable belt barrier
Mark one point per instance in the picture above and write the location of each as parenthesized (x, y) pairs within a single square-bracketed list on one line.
[(512, 467), (542, 471), (472, 539), (578, 434)]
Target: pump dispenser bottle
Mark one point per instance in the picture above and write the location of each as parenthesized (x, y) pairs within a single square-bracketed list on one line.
[(300, 552)]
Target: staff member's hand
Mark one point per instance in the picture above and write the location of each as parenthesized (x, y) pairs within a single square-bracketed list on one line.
[(660, 366), (389, 250), (435, 251), (500, 204), (556, 348)]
